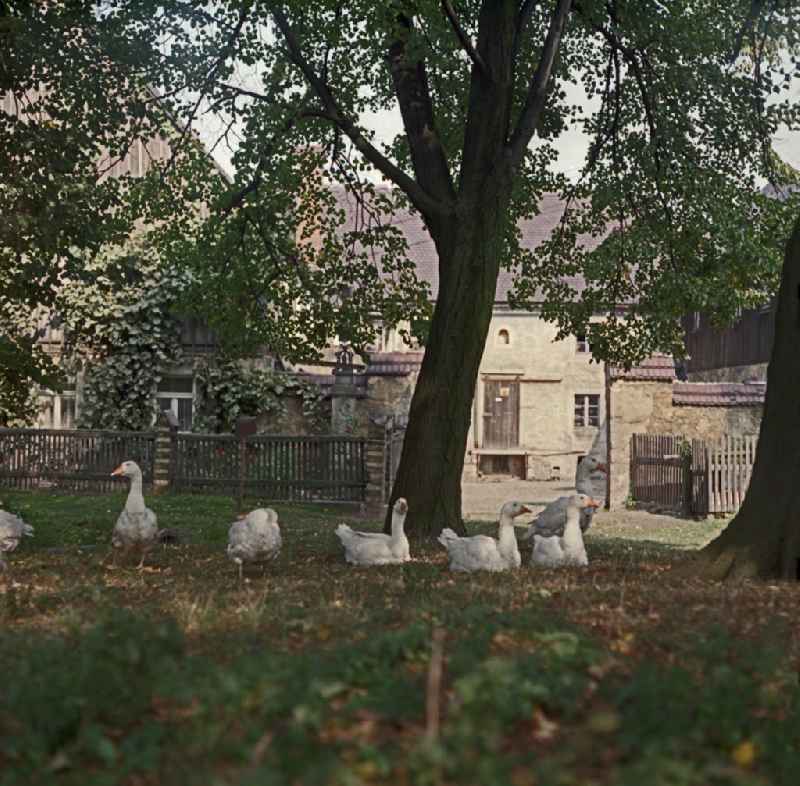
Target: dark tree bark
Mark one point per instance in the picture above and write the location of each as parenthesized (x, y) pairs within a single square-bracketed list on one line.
[(465, 219), (468, 238), (763, 539), (433, 450)]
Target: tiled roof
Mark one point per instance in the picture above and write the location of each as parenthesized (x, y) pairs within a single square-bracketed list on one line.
[(422, 251), (719, 394), (656, 368)]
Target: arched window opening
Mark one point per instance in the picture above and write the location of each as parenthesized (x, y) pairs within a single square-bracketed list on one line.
[(504, 337)]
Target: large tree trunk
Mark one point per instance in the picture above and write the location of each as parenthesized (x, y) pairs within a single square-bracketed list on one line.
[(429, 475), (763, 540)]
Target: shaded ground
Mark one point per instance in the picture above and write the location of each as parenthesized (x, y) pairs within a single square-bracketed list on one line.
[(314, 672)]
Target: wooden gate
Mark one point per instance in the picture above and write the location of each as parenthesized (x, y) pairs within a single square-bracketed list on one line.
[(670, 471), (730, 465), (501, 413), (699, 477)]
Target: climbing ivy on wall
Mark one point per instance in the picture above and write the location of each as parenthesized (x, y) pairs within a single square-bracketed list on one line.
[(120, 329), (227, 390)]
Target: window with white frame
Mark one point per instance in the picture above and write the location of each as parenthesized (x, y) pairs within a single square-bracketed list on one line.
[(581, 343), (176, 394), (587, 409), (59, 409)]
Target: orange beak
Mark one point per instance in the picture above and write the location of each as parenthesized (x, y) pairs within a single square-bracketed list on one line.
[(117, 471), (526, 509), (593, 503), (602, 467)]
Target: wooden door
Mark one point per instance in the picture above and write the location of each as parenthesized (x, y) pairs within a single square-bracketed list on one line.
[(500, 413)]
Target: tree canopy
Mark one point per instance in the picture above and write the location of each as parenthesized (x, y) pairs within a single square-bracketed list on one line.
[(678, 111), (679, 101)]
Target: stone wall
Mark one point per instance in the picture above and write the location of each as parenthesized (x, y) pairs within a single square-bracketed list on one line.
[(639, 407), (292, 422), (551, 372)]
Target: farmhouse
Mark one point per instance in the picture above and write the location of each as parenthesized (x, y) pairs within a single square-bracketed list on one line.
[(539, 403)]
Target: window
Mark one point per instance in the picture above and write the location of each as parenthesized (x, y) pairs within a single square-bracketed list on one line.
[(503, 338), (175, 393), (582, 343), (587, 410), (60, 409)]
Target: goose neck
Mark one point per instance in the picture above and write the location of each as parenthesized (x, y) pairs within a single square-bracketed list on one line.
[(398, 520), (135, 503)]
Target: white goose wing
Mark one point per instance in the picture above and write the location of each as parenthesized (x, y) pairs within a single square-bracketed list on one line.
[(255, 537), (12, 529), (478, 552), (547, 552), (365, 548)]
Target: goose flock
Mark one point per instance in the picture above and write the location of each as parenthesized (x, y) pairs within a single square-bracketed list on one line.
[(557, 532)]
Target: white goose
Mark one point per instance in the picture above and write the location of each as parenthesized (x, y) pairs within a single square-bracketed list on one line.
[(12, 529), (255, 537), (556, 551), (376, 548), (553, 519), (481, 552), (136, 527)]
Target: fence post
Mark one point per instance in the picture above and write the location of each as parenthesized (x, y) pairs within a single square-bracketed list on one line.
[(166, 430), (375, 465)]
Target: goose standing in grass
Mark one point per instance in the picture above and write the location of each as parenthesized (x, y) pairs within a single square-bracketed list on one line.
[(136, 527), (12, 529), (553, 519), (255, 537), (568, 549), (376, 548), (481, 552)]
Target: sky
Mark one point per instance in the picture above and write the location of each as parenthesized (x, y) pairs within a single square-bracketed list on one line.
[(571, 146)]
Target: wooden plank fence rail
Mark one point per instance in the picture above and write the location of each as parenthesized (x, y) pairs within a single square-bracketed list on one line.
[(72, 460), (296, 468), (319, 468), (698, 477)]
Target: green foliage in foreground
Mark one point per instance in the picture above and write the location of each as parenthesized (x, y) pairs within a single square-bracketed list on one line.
[(125, 698), (314, 672)]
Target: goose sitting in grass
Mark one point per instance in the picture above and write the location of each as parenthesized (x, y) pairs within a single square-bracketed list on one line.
[(553, 519), (12, 529), (568, 549), (376, 548), (255, 537), (136, 527), (481, 552)]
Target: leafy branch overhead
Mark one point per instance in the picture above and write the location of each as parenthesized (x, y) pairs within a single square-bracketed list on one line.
[(677, 119), (679, 103)]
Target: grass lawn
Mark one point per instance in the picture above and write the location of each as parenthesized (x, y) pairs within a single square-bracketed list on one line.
[(314, 672)]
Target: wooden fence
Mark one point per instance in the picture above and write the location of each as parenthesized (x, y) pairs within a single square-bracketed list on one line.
[(72, 460), (698, 477), (730, 465), (275, 467)]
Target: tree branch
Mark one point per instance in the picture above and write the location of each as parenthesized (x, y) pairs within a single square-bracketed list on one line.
[(410, 80), (524, 16), (462, 36), (746, 28), (537, 91), (420, 198)]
